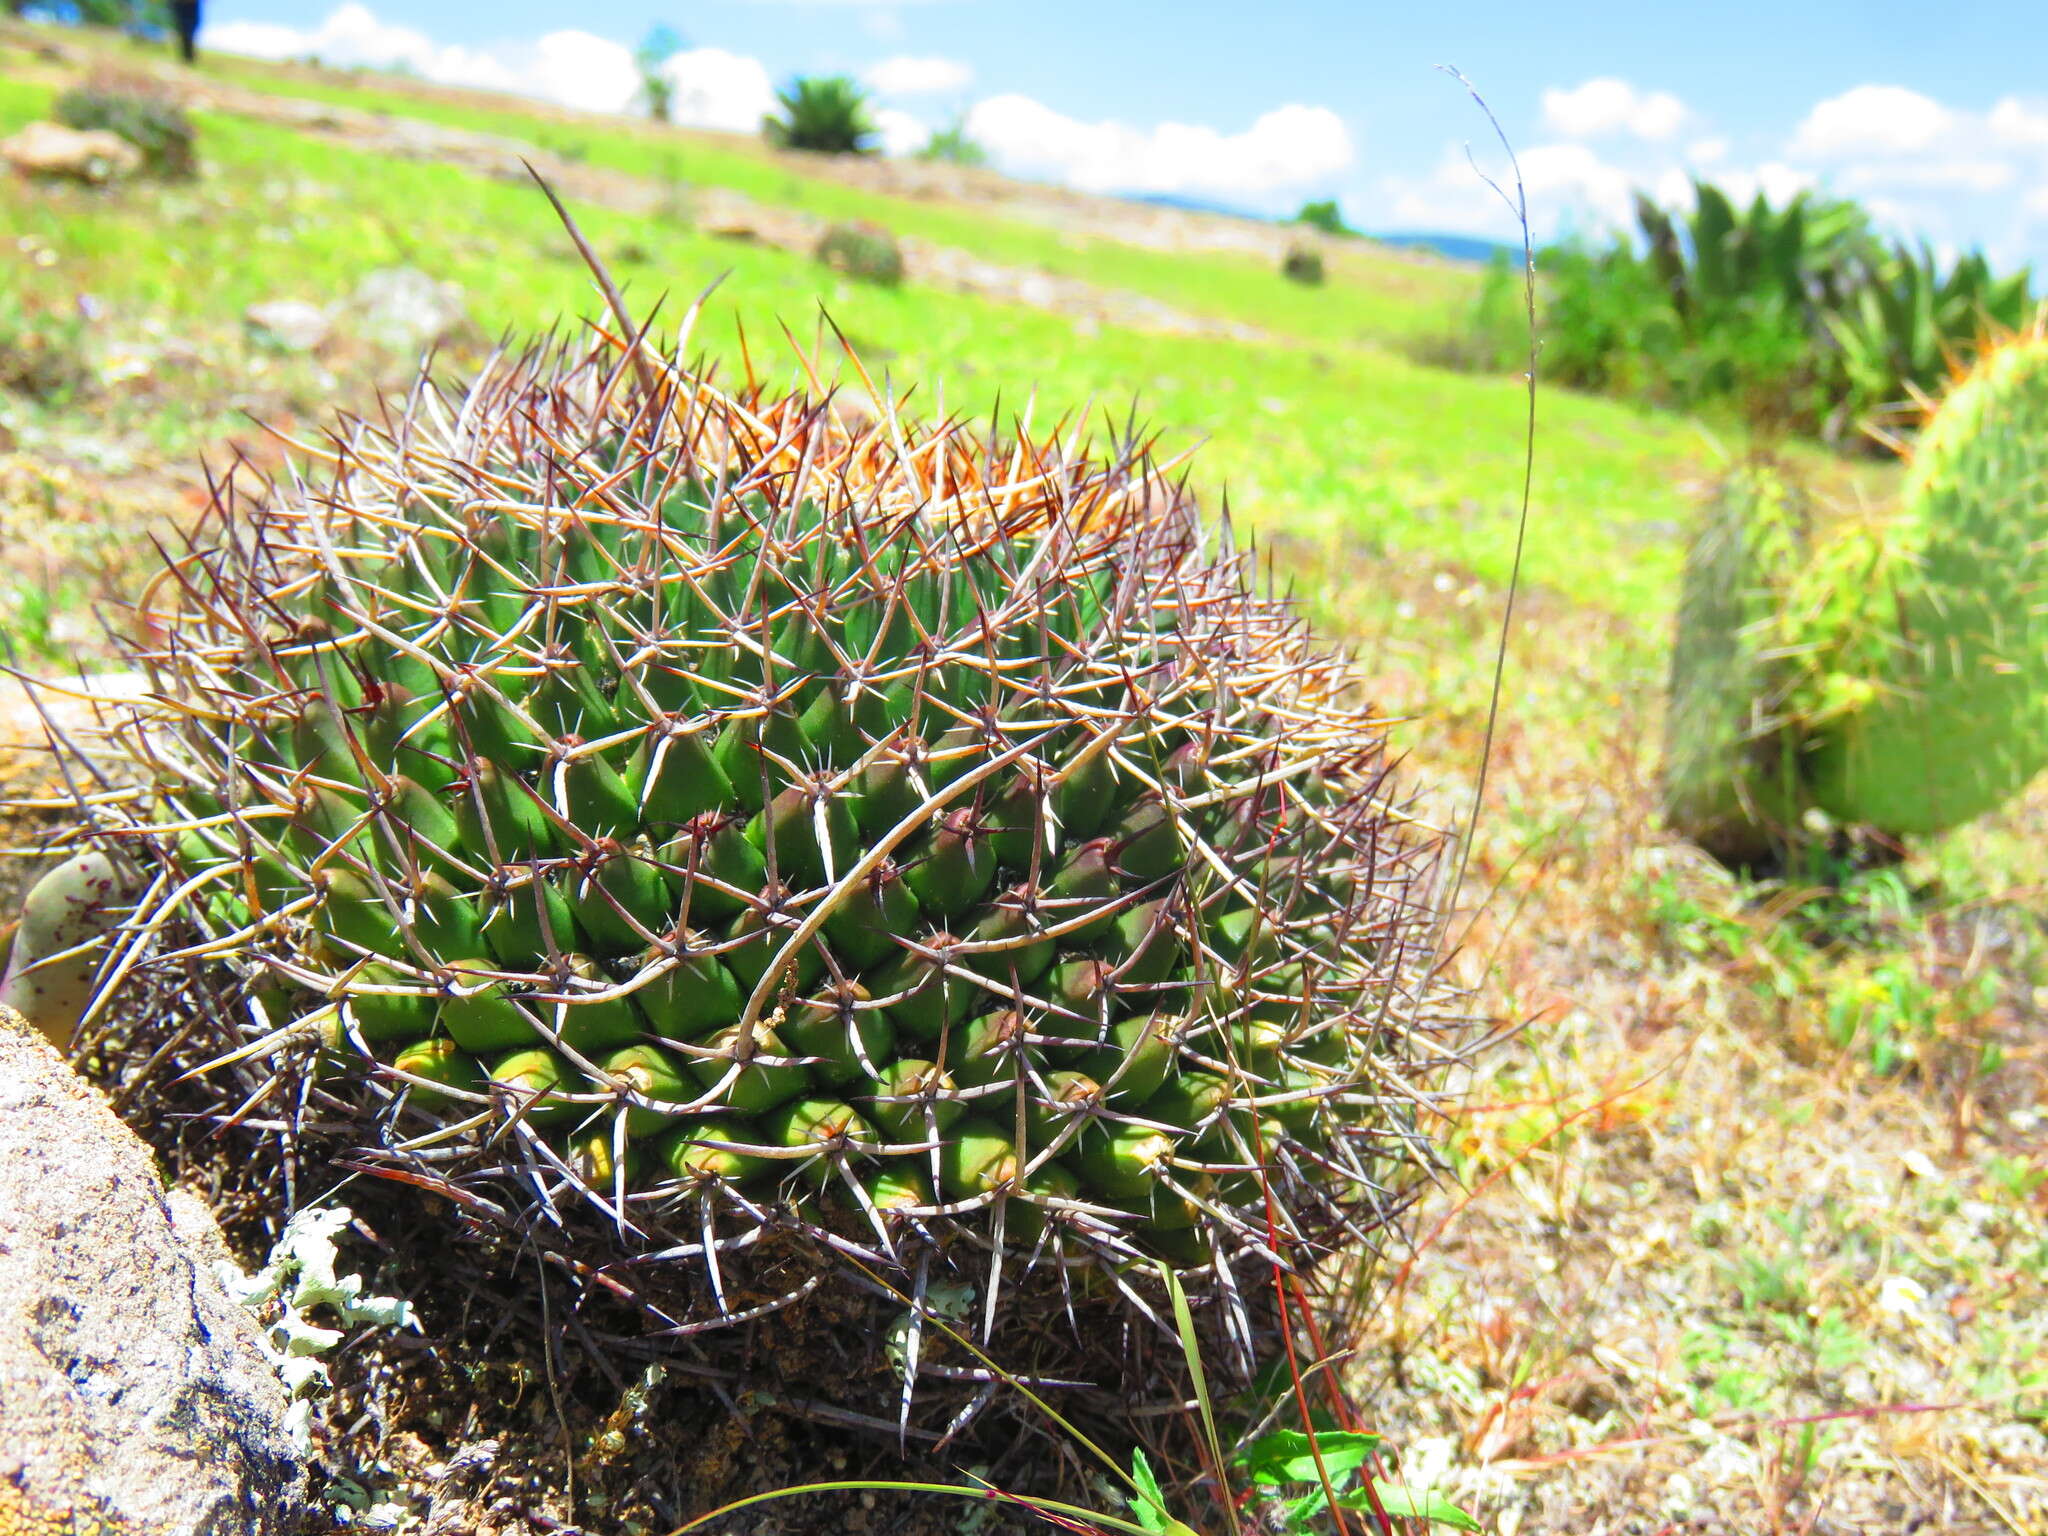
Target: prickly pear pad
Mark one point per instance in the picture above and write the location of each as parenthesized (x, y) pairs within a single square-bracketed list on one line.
[(655, 816), (1945, 651)]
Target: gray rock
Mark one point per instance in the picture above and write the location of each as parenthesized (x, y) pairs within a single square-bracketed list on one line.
[(134, 1392), (403, 308), (291, 325)]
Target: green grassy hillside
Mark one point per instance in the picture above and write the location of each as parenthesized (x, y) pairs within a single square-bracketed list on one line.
[(1325, 430)]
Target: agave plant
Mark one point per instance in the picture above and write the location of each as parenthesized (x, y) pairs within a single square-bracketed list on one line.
[(827, 114), (952, 145), (1798, 314), (674, 818), (1904, 330), (1805, 257)]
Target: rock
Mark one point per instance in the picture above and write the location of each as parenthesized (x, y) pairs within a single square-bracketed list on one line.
[(290, 325), (90, 155), (729, 224), (405, 309), (135, 1395)]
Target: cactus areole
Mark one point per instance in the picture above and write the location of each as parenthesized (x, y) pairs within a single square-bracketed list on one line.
[(711, 812)]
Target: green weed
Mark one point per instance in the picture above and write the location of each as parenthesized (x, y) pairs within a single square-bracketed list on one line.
[(43, 354)]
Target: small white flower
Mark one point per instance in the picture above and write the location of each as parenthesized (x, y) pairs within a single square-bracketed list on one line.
[(1901, 1295)]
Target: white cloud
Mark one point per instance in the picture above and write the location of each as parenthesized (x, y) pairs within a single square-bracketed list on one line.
[(1778, 182), (1567, 186), (575, 68), (353, 35), (1969, 175), (1707, 151), (908, 75), (1570, 188), (1872, 119), (713, 88), (1288, 147), (1571, 176), (2012, 121), (716, 89), (901, 132), (1607, 106)]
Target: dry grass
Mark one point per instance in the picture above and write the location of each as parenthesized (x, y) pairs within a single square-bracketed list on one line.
[(1700, 1266)]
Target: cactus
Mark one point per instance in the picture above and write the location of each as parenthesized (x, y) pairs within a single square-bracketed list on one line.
[(1303, 264), (740, 815), (1725, 729), (864, 251), (1944, 658), (1893, 676), (56, 953)]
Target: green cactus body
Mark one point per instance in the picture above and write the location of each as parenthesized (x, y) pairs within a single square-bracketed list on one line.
[(56, 952), (739, 810), (1728, 782), (1940, 674)]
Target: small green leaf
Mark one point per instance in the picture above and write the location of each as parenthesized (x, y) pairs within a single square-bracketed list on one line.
[(1286, 1455), (1411, 1504), (1150, 1505)]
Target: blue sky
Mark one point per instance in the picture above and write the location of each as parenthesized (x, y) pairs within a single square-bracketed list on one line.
[(1938, 119)]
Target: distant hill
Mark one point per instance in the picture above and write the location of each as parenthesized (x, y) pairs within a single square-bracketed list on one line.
[(1197, 205), (1457, 247)]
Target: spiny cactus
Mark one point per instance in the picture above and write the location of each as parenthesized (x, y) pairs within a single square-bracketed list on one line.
[(1303, 264), (1725, 767), (864, 251), (733, 816), (1938, 669), (57, 947), (1893, 675)]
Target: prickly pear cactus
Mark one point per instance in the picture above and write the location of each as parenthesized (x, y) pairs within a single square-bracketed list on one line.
[(1726, 741), (721, 815), (57, 949), (1938, 675)]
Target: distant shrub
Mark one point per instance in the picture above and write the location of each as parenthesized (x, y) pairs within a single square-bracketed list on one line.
[(1609, 325), (862, 251), (951, 146), (138, 18), (42, 356), (1302, 264), (650, 59), (824, 113), (1325, 217), (140, 111)]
